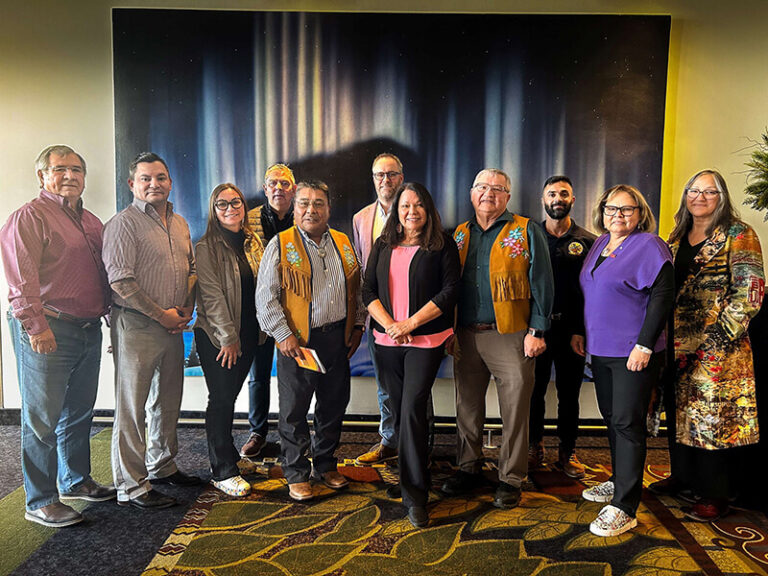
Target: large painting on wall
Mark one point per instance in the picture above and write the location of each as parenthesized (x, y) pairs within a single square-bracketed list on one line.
[(223, 94)]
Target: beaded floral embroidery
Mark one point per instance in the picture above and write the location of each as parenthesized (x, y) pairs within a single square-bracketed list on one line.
[(460, 240), (514, 241), (292, 255), (349, 256)]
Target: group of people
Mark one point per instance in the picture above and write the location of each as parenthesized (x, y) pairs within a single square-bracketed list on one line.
[(505, 296)]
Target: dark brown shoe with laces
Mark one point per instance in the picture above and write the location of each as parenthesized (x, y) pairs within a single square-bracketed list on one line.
[(253, 446), (569, 465)]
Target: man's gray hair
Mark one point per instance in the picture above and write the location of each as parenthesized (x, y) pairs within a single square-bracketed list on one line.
[(43, 161), (498, 172)]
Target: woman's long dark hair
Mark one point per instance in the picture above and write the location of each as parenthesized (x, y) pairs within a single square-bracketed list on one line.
[(725, 214), (431, 237)]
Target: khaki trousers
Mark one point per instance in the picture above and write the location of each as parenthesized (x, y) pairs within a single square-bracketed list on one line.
[(482, 355), (149, 377)]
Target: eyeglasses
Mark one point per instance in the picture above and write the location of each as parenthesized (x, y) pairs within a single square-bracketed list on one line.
[(278, 184), (695, 192), (485, 188), (222, 205), (379, 176), (304, 204), (627, 211)]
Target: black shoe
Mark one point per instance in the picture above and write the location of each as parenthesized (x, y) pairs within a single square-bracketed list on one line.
[(417, 515), (178, 478), (507, 496), (669, 486), (90, 491), (461, 483), (394, 492), (150, 500)]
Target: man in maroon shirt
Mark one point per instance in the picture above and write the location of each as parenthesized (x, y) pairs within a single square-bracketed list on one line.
[(58, 291)]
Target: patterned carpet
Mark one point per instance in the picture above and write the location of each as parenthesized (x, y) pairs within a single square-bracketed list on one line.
[(360, 531)]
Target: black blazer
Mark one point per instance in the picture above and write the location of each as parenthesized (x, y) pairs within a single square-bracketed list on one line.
[(433, 275)]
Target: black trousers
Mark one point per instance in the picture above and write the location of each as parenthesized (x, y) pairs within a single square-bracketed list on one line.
[(623, 398), (224, 385), (569, 374), (407, 375), (295, 387)]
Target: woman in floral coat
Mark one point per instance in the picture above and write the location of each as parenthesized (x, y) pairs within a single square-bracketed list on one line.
[(720, 283)]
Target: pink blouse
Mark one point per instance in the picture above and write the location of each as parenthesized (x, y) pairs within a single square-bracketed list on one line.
[(399, 293)]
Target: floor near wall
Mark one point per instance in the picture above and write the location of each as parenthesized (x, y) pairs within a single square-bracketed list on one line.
[(120, 540)]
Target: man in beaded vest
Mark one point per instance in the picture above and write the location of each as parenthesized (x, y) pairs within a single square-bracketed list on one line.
[(266, 221), (505, 301), (308, 295)]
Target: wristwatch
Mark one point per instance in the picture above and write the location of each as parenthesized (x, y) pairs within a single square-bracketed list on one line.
[(536, 333)]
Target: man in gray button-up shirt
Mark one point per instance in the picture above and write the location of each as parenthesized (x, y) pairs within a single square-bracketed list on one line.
[(151, 267)]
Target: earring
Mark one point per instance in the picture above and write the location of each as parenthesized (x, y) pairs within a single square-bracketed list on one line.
[(399, 228)]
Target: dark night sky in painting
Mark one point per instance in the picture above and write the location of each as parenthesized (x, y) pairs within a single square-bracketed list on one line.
[(221, 95)]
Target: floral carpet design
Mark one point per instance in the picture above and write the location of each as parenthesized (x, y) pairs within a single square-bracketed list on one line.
[(361, 532)]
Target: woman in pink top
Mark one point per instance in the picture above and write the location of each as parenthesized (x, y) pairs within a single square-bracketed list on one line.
[(410, 289)]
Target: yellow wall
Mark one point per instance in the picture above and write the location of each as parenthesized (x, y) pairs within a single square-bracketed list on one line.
[(56, 87)]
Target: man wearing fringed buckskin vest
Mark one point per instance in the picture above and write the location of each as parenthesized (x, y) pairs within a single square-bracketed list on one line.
[(308, 295), (505, 301)]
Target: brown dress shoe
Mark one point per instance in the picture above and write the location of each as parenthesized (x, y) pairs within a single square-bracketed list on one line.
[(569, 465), (300, 491), (378, 453), (334, 480), (253, 446), (535, 456), (55, 515)]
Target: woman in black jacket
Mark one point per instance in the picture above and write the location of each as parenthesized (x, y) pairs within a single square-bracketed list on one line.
[(410, 289)]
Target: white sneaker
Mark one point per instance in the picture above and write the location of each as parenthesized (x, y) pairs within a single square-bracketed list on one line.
[(235, 486), (599, 493), (612, 521)]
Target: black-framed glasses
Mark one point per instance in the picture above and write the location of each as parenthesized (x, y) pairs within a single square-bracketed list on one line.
[(626, 211), (379, 176), (222, 205), (695, 193)]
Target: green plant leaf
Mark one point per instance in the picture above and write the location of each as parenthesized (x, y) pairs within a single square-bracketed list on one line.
[(228, 515), (588, 540), (342, 503), (382, 565), (316, 558), (666, 558), (357, 526), (576, 569), (251, 567), (429, 546), (546, 531), (290, 525), (491, 557), (220, 548)]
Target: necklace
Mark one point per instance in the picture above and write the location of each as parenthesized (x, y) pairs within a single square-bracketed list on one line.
[(610, 249)]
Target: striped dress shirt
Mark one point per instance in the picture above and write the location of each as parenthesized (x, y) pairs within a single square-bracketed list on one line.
[(52, 257), (137, 245), (329, 297)]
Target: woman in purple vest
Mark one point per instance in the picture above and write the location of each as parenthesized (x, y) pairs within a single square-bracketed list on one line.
[(627, 281), (410, 289)]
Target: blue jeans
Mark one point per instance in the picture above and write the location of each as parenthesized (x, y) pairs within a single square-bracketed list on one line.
[(58, 391), (258, 388), (387, 429)]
